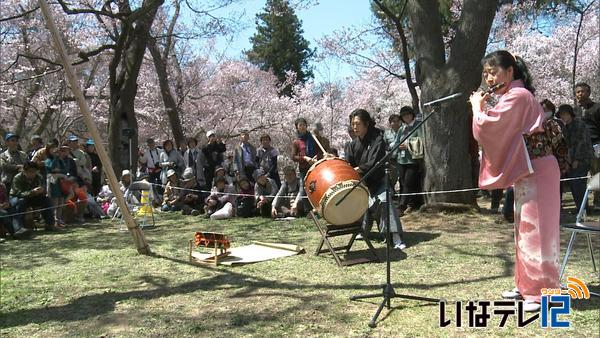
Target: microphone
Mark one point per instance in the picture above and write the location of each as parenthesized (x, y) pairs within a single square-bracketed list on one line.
[(449, 97)]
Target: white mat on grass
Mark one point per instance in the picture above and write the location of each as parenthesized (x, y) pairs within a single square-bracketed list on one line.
[(256, 252)]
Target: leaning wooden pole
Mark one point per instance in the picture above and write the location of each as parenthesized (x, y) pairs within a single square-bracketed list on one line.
[(138, 236)]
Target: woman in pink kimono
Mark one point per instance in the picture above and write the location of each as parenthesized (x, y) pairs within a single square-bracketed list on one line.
[(517, 151)]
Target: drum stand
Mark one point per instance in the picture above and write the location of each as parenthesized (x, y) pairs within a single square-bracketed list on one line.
[(388, 290)]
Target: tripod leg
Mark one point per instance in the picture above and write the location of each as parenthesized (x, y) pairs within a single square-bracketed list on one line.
[(373, 322), (371, 295)]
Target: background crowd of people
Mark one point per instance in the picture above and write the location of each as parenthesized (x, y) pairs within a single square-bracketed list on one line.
[(65, 180)]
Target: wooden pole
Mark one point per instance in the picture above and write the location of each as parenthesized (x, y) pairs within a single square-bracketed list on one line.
[(138, 236)]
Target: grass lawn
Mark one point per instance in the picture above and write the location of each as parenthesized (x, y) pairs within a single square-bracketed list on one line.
[(89, 281)]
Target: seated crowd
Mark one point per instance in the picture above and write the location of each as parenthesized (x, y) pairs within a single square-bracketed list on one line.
[(62, 183)]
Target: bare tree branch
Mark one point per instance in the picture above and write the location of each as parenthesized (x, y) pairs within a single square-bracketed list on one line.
[(20, 15)]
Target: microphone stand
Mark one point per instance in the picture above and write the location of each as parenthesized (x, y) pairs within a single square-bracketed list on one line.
[(388, 290)]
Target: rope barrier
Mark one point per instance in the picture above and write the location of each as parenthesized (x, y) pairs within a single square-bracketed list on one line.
[(269, 196)]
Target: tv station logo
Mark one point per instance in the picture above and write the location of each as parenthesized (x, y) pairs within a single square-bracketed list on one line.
[(554, 303)]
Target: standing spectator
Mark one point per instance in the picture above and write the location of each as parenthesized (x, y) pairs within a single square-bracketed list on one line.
[(213, 153), (265, 190), (581, 152), (410, 169), (36, 144), (267, 158), (288, 201), (28, 191), (83, 163), (170, 158), (245, 157), (348, 143), (590, 114), (150, 162), (304, 148), (11, 160), (194, 159), (392, 137), (90, 149), (57, 169), (318, 133)]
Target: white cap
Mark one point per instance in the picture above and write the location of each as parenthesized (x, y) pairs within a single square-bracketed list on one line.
[(125, 173), (210, 132)]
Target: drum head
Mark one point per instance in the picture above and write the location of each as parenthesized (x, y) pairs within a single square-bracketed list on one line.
[(351, 209)]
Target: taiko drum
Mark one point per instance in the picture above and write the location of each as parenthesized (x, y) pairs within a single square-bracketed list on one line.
[(326, 182)]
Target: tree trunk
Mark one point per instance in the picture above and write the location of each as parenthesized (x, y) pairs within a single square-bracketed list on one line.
[(124, 70), (447, 160), (160, 64)]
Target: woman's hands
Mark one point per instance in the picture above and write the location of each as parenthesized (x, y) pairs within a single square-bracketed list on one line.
[(478, 98)]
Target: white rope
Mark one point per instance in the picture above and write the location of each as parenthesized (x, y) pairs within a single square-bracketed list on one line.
[(248, 195), (38, 210)]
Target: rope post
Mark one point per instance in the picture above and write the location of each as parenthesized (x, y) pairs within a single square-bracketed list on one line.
[(138, 236)]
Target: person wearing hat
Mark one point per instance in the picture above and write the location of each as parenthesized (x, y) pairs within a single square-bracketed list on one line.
[(221, 202), (59, 167), (90, 150), (409, 171), (173, 195), (221, 172), (170, 158), (11, 160), (265, 190), (192, 198), (245, 157), (213, 151), (83, 163), (581, 152), (288, 201)]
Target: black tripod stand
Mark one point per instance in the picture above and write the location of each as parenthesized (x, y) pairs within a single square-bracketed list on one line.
[(388, 290)]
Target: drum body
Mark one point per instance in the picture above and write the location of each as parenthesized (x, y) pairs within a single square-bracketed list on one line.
[(326, 182)]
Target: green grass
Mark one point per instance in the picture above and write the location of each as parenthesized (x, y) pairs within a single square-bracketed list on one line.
[(89, 281)]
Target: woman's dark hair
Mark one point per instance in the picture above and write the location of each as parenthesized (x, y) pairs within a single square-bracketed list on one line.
[(394, 116), (362, 115), (30, 165), (192, 139), (168, 141), (300, 120), (407, 110), (549, 105), (566, 108), (504, 60), (265, 136)]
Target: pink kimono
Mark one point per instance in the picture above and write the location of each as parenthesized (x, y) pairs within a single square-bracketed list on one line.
[(505, 162)]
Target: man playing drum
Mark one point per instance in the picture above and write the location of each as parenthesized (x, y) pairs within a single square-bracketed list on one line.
[(365, 150)]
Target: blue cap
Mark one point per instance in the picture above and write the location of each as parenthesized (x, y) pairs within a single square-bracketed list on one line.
[(8, 136), (73, 138), (90, 142)]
